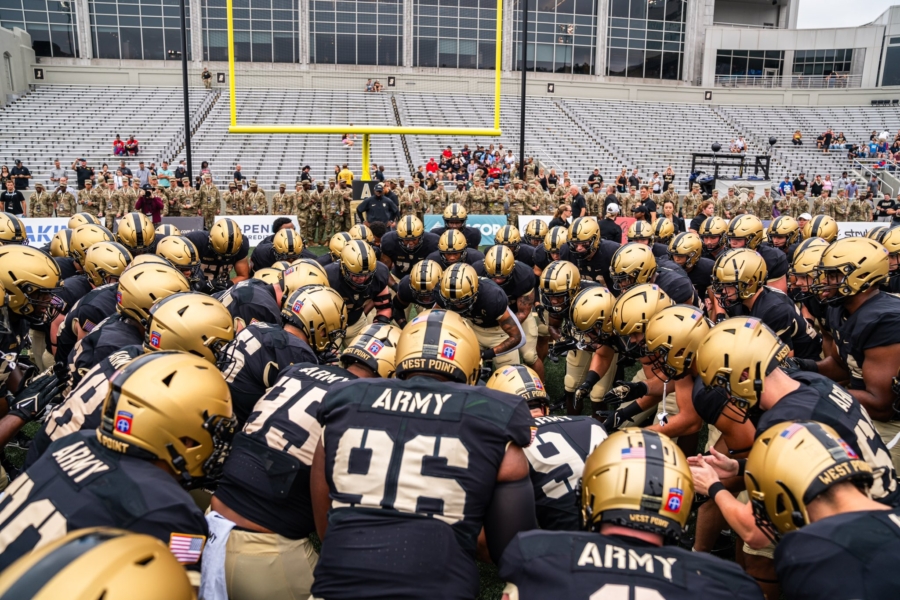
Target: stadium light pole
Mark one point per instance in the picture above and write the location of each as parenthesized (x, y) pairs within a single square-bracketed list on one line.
[(184, 85), (524, 72)]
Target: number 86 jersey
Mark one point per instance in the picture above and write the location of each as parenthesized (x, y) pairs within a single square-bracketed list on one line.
[(411, 467)]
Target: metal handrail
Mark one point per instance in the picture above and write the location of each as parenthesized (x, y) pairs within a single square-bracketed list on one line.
[(789, 81)]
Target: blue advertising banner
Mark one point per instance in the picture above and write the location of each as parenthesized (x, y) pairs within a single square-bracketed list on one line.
[(489, 225)]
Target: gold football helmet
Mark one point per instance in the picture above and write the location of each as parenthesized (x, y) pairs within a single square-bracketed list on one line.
[(287, 245), (459, 288), (439, 342), (88, 564), (663, 230), (142, 286), (453, 247), (672, 337), (736, 355), (821, 226), (455, 216), (641, 231), (12, 229), (510, 237), (742, 271), (631, 313), (591, 316), (554, 241), (358, 264), (747, 228), (848, 267), (86, 236), (61, 243), (424, 279), (268, 275), (558, 284), (282, 265), (361, 232), (685, 249), (535, 232), (136, 233), (158, 402), (302, 272), (801, 275), (166, 229), (410, 233), (143, 259), (183, 254), (584, 236), (790, 465), (632, 264), (783, 232), (189, 322), (891, 241), (30, 278), (337, 242), (637, 479), (521, 381), (375, 347), (877, 233), (320, 313), (226, 237), (499, 263), (712, 233), (82, 218), (105, 262)]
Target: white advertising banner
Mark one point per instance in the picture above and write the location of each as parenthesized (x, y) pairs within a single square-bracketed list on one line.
[(256, 227), (41, 231)]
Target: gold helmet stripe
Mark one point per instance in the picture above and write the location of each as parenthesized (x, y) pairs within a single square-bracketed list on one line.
[(654, 472)]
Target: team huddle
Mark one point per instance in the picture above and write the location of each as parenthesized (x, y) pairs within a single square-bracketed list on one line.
[(200, 413)]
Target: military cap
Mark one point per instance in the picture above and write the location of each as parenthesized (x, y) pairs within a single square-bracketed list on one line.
[(186, 179), (284, 185), (331, 180), (252, 182)]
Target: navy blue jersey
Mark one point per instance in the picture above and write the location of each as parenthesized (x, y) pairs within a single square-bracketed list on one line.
[(216, 267), (354, 299), (111, 336), (542, 258), (674, 281), (774, 308), (520, 283), (525, 254), (402, 258), (471, 257), (251, 362), (556, 460), (596, 268), (851, 555), (660, 251), (405, 294), (777, 264), (90, 311), (264, 257), (701, 275), (66, 265), (411, 467), (490, 304), (325, 259), (892, 285), (71, 290), (472, 235), (83, 407), (821, 399), (876, 323), (266, 475), (590, 566), (251, 301), (78, 483)]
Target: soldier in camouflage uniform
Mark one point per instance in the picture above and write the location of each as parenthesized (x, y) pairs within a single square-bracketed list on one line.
[(175, 200), (281, 201), (529, 170), (320, 225), (110, 203), (255, 200), (303, 210), (628, 202), (162, 193), (691, 202), (232, 199), (420, 201), (331, 211), (478, 199), (534, 202), (591, 197), (820, 204), (438, 199), (837, 207), (670, 195), (800, 204), (750, 203), (86, 200), (727, 206), (408, 200), (64, 199), (858, 210), (345, 194), (495, 199), (561, 195), (518, 201), (40, 205), (318, 196), (132, 194), (764, 206), (460, 195), (210, 201)]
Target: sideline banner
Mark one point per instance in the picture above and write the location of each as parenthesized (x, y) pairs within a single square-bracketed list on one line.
[(623, 222), (41, 231), (256, 227), (489, 225)]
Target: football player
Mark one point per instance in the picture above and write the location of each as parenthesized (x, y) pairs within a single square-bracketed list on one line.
[(335, 246), (420, 287), (76, 287), (362, 281), (314, 324), (167, 424), (188, 322), (510, 237), (407, 246), (590, 325), (712, 234), (485, 306), (746, 231), (425, 456), (738, 282), (663, 232), (58, 248), (222, 250), (800, 281), (783, 233), (535, 232), (139, 288), (820, 226), (554, 247), (634, 264), (557, 454), (286, 244), (182, 254), (642, 232), (592, 255), (891, 241), (636, 497), (452, 249), (136, 233), (455, 216), (686, 251), (518, 281), (264, 492)]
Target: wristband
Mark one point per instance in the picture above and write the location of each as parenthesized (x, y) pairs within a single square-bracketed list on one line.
[(742, 466), (715, 489), (632, 410), (591, 380)]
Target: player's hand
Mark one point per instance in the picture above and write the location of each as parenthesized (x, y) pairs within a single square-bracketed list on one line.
[(704, 476), (724, 466), (31, 401), (583, 392), (625, 391), (801, 364)]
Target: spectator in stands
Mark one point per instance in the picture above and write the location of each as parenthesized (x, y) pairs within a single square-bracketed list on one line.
[(447, 153), (104, 172), (668, 179), (494, 173), (816, 187), (345, 175), (369, 86), (561, 216), (82, 172), (206, 77), (204, 170), (706, 210), (377, 85), (797, 140), (634, 180), (143, 174), (733, 147), (119, 180), (609, 229), (378, 173), (13, 200), (552, 179), (656, 183), (57, 173), (132, 146), (238, 176), (885, 208), (622, 182), (800, 183), (126, 171), (871, 187), (542, 179), (165, 175), (872, 149), (595, 177), (20, 176), (852, 189), (348, 140), (826, 140), (827, 184), (432, 166), (785, 187), (118, 146), (840, 141)]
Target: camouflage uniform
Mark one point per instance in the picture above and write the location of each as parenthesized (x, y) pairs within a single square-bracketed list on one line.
[(590, 199), (40, 205), (627, 204), (420, 199), (534, 205), (318, 196), (460, 195), (331, 211), (799, 205), (820, 205), (111, 205), (232, 200), (175, 200), (255, 200), (478, 199), (303, 207), (495, 199), (837, 208), (764, 207), (858, 211), (281, 201), (86, 200), (187, 198), (518, 201), (438, 199), (130, 196), (728, 206), (691, 202), (210, 201)]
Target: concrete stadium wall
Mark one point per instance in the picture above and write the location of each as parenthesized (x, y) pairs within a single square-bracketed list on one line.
[(140, 73), (17, 44)]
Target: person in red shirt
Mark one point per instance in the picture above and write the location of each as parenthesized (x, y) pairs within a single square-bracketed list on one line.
[(494, 172), (118, 146), (432, 166), (150, 205), (131, 146), (447, 153)]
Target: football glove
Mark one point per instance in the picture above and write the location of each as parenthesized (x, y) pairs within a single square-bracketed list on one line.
[(31, 401)]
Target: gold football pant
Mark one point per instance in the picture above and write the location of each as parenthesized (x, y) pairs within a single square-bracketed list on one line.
[(357, 328), (268, 565), (490, 337), (529, 350), (578, 362), (40, 356), (668, 401)]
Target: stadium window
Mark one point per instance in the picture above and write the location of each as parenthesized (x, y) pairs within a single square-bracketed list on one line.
[(652, 31), (51, 25), (455, 33), (136, 29), (749, 63), (561, 36), (264, 30), (355, 33), (891, 72), (822, 62)]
